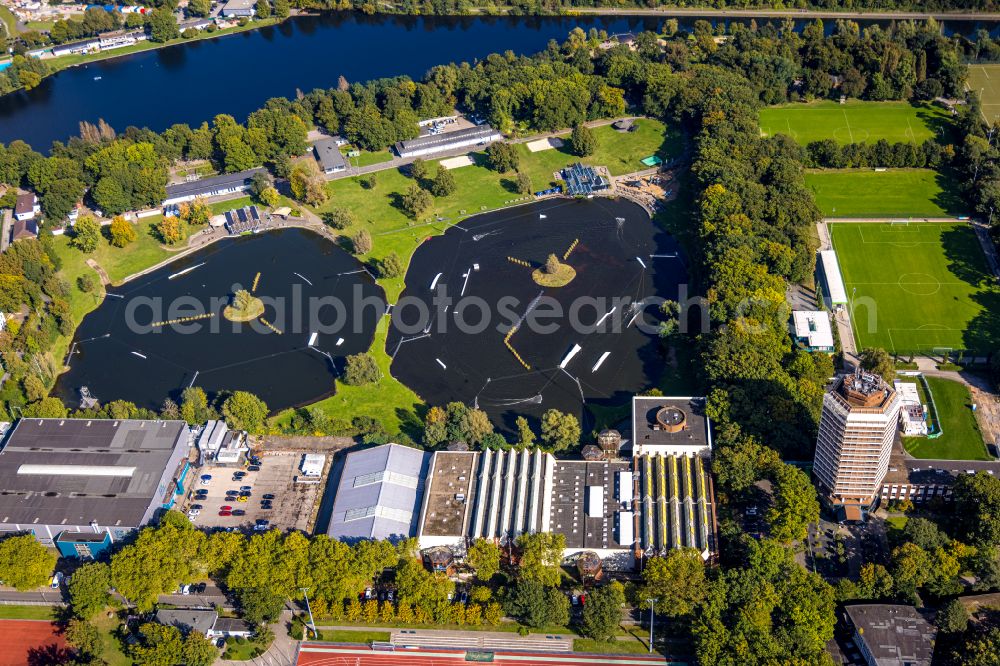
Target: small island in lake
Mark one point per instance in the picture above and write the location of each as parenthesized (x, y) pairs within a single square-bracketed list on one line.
[(245, 307)]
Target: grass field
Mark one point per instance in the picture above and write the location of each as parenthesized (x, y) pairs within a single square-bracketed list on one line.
[(9, 22), (366, 158), (985, 79), (478, 189), (27, 612), (918, 286), (855, 121), (347, 636), (892, 193), (961, 438)]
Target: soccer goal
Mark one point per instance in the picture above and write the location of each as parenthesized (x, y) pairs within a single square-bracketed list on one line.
[(899, 223)]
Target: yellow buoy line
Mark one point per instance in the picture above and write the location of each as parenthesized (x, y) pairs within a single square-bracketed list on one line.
[(255, 281), (506, 341), (270, 325), (182, 320), (572, 247)]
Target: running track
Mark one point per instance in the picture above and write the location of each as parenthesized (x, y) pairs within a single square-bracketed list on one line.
[(18, 638), (317, 654)]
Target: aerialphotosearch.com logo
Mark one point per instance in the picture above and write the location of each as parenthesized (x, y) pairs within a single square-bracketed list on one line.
[(412, 315)]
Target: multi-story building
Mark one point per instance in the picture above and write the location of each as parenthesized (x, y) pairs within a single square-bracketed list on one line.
[(856, 431)]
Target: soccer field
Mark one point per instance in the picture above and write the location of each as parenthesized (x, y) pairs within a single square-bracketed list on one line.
[(985, 79), (892, 193), (918, 287), (855, 121)]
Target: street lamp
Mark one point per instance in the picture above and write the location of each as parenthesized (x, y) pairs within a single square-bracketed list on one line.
[(312, 621), (652, 604)]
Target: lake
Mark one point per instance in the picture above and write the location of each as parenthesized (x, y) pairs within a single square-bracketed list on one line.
[(236, 74), (118, 352)]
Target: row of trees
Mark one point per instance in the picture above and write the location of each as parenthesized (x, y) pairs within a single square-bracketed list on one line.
[(458, 422)]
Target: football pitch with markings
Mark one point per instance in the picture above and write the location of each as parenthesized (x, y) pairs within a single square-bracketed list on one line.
[(855, 121), (986, 80), (918, 287)]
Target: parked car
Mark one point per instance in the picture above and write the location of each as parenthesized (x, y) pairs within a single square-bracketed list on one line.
[(206, 479), (242, 499), (254, 468), (194, 512), (57, 580), (268, 496), (185, 589), (242, 488), (225, 508), (368, 593), (261, 525), (232, 492), (225, 514), (239, 512), (199, 588)]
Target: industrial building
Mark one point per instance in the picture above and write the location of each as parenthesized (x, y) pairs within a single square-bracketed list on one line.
[(614, 508), (218, 444), (65, 477), (379, 493), (674, 426), (856, 432), (328, 154), (228, 183), (812, 331), (482, 135)]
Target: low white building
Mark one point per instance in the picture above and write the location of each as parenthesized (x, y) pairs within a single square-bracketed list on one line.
[(912, 413), (218, 443), (312, 464), (26, 207), (812, 331)]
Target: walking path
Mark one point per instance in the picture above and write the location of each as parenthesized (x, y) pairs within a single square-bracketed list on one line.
[(704, 12), (473, 639)]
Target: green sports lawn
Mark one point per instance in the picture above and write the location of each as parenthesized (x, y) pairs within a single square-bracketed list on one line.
[(892, 193), (918, 286), (855, 121), (960, 436), (985, 79)]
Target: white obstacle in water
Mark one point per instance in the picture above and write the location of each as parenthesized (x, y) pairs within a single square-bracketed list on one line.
[(139, 355), (641, 262), (340, 341), (441, 363), (569, 357), (606, 315), (601, 360), (312, 339), (434, 282), (185, 271)]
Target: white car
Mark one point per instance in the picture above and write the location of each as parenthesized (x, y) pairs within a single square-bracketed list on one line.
[(185, 590)]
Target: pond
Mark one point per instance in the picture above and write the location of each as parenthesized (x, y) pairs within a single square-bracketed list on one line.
[(585, 344), (320, 305)]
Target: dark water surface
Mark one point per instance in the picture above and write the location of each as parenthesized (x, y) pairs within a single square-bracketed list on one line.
[(117, 355), (236, 74), (612, 259)]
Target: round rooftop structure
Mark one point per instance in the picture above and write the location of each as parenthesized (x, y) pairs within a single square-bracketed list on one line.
[(671, 419), (609, 440)]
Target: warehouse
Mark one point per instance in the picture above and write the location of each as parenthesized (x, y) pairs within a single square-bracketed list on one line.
[(79, 475), (482, 135), (229, 183), (379, 493)]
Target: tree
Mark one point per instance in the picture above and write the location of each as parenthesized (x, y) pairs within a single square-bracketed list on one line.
[(878, 361), (415, 201), (502, 157), (270, 197), (263, 9), (444, 183), (88, 589), (46, 408), (194, 406), (361, 242), (84, 637), (435, 427), (281, 9), (603, 612), (86, 283), (307, 183), (523, 183), (361, 369), (162, 25), (795, 504), (418, 169), (559, 431), (739, 466), (390, 266), (24, 563), (541, 557), (338, 217), (536, 605), (582, 141), (245, 411), (122, 232), (169, 230), (977, 508), (525, 435), (86, 234), (676, 580), (199, 7), (158, 645), (484, 556), (476, 426), (260, 605), (953, 618)]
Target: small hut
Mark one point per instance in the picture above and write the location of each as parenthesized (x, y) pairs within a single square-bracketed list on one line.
[(588, 565), (592, 453), (610, 442), (440, 559)]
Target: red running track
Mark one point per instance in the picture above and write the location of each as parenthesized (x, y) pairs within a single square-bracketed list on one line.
[(320, 654), (31, 641)]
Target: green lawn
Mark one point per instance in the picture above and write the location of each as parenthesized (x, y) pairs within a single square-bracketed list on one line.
[(478, 189), (961, 438), (985, 79), (918, 286), (892, 193), (9, 21), (614, 647), (347, 636), (366, 158), (855, 122), (112, 653), (27, 612)]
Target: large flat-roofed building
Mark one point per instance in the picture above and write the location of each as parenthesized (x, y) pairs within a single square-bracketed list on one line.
[(379, 494), (499, 495), (439, 143), (812, 330), (856, 431), (670, 426), (227, 183), (328, 154), (240, 8), (80, 475), (892, 635)]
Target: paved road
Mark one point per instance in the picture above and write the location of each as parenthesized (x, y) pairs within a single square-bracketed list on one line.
[(41, 597)]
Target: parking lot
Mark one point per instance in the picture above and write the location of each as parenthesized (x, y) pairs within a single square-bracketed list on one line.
[(293, 504)]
